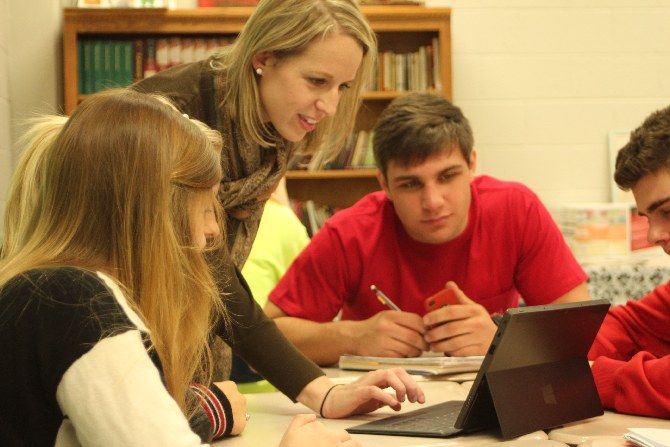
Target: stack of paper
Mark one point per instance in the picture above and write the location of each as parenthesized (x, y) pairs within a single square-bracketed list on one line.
[(424, 365), (648, 437)]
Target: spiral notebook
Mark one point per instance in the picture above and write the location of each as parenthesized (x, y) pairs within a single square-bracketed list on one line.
[(535, 376)]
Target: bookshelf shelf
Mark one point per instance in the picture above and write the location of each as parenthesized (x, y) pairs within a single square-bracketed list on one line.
[(338, 188), (383, 95), (331, 174), (399, 28)]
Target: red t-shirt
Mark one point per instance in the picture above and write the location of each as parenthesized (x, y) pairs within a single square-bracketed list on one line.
[(632, 356), (511, 246)]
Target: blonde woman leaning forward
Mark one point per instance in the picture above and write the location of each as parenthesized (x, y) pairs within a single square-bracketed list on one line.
[(290, 83), (106, 301)]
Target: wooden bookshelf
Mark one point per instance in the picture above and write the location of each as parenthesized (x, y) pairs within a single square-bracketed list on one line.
[(399, 28), (339, 188)]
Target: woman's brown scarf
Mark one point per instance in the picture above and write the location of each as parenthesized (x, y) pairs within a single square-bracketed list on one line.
[(250, 172)]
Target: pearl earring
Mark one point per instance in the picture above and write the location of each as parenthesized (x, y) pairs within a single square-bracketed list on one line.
[(259, 71)]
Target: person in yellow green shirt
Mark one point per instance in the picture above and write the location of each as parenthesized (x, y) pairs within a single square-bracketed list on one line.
[(281, 237)]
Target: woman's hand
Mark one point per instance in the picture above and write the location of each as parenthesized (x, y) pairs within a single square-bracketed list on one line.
[(367, 393), (306, 431), (238, 403)]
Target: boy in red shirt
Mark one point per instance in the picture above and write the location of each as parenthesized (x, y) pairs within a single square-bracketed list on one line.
[(434, 223), (631, 354)]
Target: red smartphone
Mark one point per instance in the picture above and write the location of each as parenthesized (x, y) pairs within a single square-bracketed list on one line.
[(442, 298)]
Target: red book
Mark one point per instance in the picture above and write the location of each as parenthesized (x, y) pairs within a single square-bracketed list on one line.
[(162, 54)]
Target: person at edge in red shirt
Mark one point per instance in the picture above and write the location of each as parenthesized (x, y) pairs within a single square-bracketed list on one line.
[(631, 353)]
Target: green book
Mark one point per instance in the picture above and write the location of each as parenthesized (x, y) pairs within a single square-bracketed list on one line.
[(97, 66), (88, 67), (80, 67), (116, 64), (127, 59), (369, 153), (107, 64)]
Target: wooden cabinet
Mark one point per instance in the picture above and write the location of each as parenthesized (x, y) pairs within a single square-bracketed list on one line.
[(400, 29)]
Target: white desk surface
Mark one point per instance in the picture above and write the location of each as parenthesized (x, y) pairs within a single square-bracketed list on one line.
[(271, 414), (604, 431)]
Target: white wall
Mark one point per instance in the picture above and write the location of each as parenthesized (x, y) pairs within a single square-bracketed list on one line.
[(30, 73), (35, 55), (544, 81)]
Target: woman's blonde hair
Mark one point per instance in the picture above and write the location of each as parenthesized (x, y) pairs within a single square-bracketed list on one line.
[(286, 28), (111, 193), (23, 198)]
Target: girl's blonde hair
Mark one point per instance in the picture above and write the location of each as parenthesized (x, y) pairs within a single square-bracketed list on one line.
[(23, 197), (286, 28), (109, 190)]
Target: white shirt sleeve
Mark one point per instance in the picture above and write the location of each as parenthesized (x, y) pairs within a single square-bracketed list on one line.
[(113, 396)]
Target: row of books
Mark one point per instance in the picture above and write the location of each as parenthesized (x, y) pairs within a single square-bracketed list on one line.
[(357, 152), (118, 62), (104, 63), (417, 71)]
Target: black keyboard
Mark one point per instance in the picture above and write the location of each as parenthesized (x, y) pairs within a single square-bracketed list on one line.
[(436, 420)]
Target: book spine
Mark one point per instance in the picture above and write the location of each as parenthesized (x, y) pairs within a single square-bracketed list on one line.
[(386, 77), (138, 59), (127, 67), (436, 64), (373, 83), (357, 157), (117, 63), (162, 54), (88, 67), (212, 46), (423, 69), (401, 72), (97, 66), (369, 156), (81, 72), (107, 79), (149, 66), (174, 51), (187, 50), (199, 49), (430, 75)]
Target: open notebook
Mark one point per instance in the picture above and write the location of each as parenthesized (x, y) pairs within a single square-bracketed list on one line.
[(427, 364), (535, 376)]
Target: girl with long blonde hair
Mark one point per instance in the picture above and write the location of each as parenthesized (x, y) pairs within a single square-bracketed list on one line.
[(108, 303)]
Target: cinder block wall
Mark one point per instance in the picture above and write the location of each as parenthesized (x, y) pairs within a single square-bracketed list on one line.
[(544, 81)]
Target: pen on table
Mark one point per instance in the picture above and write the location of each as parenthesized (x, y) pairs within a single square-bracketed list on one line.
[(383, 298)]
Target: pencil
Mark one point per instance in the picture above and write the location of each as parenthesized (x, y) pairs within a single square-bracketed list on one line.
[(383, 298)]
